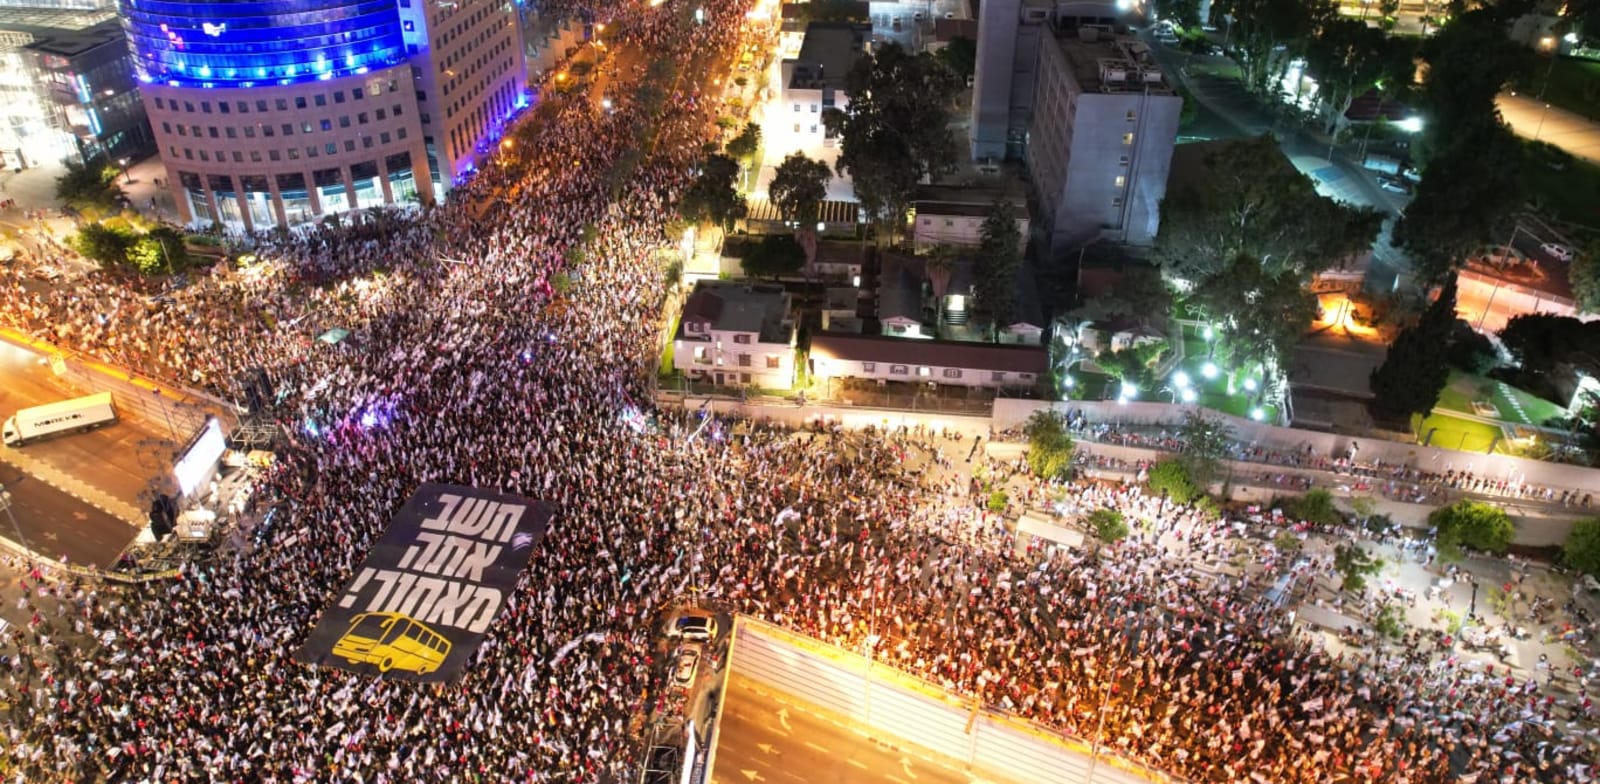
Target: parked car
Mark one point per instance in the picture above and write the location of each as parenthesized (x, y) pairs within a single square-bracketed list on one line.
[(1557, 251), (1392, 185), (686, 664), (691, 624)]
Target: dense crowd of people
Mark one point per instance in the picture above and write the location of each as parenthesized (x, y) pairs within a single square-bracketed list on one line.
[(1402, 482), (468, 363)]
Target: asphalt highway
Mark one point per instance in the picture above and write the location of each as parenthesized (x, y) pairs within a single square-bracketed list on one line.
[(765, 739), (54, 512), (55, 524)]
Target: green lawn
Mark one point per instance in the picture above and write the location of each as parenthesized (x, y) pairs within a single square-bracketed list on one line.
[(1574, 85), (1448, 432), (1511, 404), (666, 368)]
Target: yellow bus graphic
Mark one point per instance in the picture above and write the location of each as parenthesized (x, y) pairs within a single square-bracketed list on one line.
[(392, 641)]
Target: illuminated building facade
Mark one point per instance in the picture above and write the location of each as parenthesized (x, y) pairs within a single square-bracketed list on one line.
[(270, 113)]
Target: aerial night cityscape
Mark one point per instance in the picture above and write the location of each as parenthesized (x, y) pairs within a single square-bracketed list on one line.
[(740, 391)]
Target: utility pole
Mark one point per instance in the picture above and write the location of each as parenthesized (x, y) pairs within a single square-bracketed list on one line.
[(5, 503)]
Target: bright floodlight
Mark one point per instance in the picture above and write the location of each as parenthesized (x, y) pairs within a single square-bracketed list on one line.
[(1258, 414), (1208, 333), (1188, 395), (1250, 384), (1069, 382), (1411, 124), (1129, 390), (1209, 370), (1570, 38), (1181, 379)]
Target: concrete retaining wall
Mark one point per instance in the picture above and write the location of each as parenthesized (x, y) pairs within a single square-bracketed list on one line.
[(1009, 413)]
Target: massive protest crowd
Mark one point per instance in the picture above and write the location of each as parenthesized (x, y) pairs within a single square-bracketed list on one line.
[(466, 364)]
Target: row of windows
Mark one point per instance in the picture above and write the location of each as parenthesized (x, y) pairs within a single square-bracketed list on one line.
[(476, 90), (924, 371), (703, 356), (281, 104), (312, 151), (476, 66), (288, 182), (287, 129)]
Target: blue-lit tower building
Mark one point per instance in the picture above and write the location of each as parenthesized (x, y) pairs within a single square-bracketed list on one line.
[(274, 112)]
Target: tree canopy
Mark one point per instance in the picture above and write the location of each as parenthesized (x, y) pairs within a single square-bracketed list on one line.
[(1172, 478), (1350, 57), (1480, 526), (91, 183), (1254, 203), (712, 196), (1582, 548), (1109, 525), (1205, 445), (1470, 190), (960, 55), (1583, 272), (1263, 314), (895, 129), (1544, 346), (998, 264), (1049, 445), (774, 256), (745, 144), (1416, 367), (799, 187)]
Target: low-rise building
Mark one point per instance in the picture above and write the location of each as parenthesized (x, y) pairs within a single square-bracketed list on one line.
[(736, 334), (920, 301), (954, 216), (951, 363), (814, 81)]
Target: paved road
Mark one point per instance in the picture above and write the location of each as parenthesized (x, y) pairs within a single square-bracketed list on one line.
[(763, 739), (69, 480), (119, 460), (1531, 118), (53, 523)]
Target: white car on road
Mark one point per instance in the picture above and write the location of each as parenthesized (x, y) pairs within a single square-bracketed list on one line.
[(1557, 251)]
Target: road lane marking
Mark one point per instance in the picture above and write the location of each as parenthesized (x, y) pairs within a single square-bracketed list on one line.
[(857, 764), (816, 748)]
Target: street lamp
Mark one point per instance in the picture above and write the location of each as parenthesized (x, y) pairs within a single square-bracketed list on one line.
[(125, 178)]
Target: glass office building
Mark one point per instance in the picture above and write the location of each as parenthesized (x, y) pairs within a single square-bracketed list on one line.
[(243, 43)]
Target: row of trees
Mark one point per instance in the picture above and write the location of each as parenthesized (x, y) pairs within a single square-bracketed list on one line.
[(116, 246)]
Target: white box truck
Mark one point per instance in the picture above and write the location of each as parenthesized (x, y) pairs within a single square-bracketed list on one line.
[(68, 416)]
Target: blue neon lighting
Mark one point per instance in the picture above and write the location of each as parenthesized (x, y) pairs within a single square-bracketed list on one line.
[(239, 43)]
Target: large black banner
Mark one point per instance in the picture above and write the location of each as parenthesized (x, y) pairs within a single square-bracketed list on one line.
[(419, 605)]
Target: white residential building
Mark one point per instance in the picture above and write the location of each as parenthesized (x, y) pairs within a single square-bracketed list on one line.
[(955, 216), (736, 334), (936, 362), (813, 82)]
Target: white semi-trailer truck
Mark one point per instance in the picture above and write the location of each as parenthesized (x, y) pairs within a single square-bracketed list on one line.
[(68, 416)]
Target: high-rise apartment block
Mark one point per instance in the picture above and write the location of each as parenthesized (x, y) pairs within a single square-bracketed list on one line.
[(270, 113), (1065, 88), (1099, 148)]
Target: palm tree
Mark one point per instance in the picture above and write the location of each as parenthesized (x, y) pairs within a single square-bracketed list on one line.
[(939, 264)]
